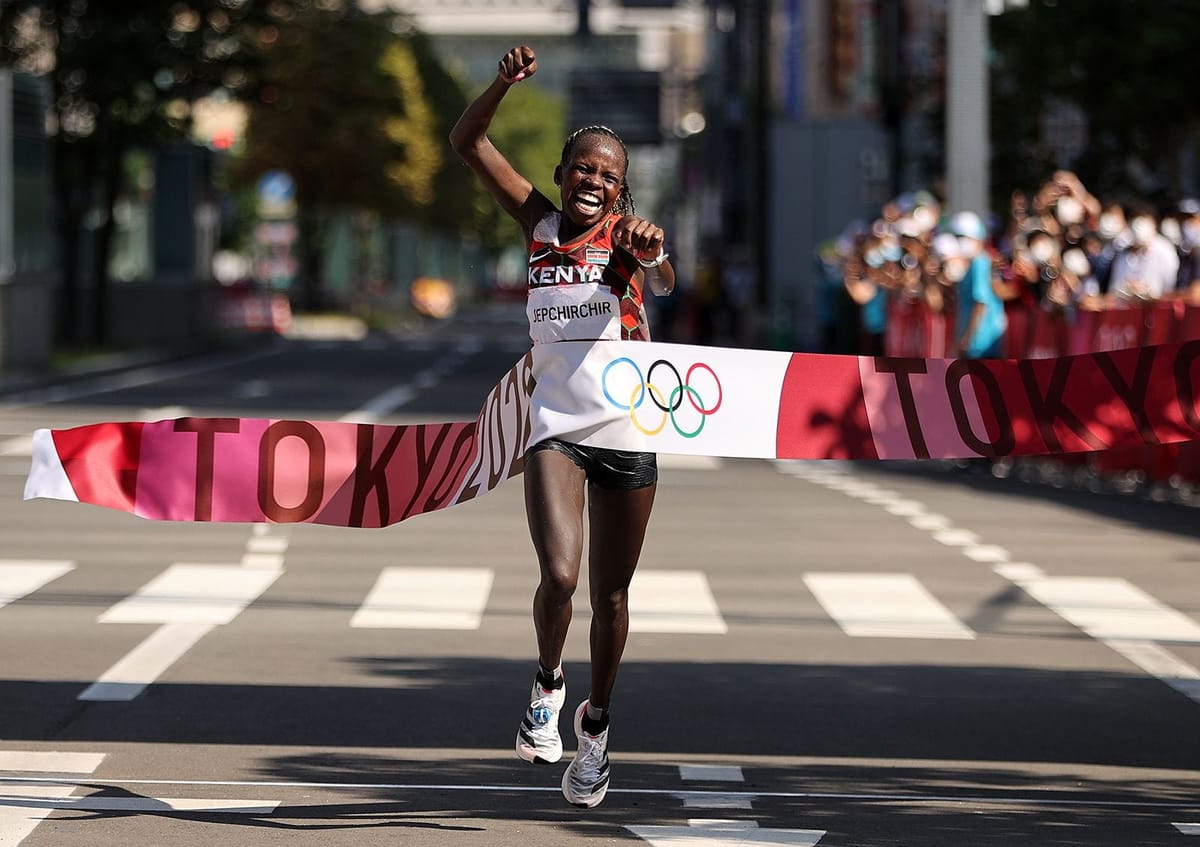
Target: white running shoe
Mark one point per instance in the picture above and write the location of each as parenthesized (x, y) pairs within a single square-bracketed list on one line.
[(538, 740), (586, 781)]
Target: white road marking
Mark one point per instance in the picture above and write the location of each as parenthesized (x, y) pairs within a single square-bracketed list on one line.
[(426, 598), (987, 553), (49, 761), (1188, 828), (262, 561), (1113, 611), (162, 413), (873, 605), (17, 822), (681, 462), (1161, 663), (718, 833), (264, 550), (19, 577), (929, 522), (956, 538), (145, 663), (673, 601), (905, 508), (189, 601), (1018, 571), (380, 405), (712, 773), (21, 445), (714, 801), (1109, 608), (186, 593), (958, 799), (263, 543), (38, 798)]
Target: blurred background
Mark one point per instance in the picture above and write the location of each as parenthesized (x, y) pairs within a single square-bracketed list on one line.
[(182, 172)]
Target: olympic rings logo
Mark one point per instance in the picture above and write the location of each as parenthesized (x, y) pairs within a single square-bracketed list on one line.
[(669, 404)]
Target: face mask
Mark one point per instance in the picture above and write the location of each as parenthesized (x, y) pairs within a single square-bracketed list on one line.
[(874, 259), (955, 270), (1143, 231), (1042, 250), (1076, 263), (1110, 225), (1191, 234), (924, 218), (1068, 210), (1171, 231), (968, 247)]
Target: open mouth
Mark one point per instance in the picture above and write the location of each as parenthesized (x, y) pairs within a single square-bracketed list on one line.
[(588, 203)]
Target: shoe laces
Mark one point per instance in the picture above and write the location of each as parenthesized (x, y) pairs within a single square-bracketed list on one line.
[(542, 708), (592, 751)]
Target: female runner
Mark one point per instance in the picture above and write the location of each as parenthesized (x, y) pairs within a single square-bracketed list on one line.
[(589, 263)]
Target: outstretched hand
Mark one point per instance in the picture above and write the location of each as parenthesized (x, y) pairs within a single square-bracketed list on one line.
[(639, 237), (517, 64)]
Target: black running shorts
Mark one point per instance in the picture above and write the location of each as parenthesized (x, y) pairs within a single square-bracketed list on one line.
[(622, 470)]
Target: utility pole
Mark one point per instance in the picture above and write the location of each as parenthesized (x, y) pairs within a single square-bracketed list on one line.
[(967, 148), (7, 247)]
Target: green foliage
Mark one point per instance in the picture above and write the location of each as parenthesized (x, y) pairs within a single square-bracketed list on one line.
[(321, 112), (529, 129), (1128, 64), (123, 77)]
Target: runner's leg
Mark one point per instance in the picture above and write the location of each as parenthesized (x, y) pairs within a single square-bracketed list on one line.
[(554, 487), (617, 520)]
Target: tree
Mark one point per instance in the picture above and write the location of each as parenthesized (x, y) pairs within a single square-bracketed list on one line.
[(529, 129), (1128, 66), (371, 137), (122, 79)]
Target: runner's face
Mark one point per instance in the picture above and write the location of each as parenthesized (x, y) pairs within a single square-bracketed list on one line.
[(591, 180)]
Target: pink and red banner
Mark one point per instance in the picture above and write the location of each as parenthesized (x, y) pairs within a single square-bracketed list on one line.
[(636, 396)]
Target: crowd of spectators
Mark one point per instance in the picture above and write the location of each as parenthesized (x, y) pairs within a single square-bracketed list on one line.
[(1060, 250)]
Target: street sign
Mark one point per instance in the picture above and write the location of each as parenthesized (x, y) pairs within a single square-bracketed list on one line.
[(276, 196)]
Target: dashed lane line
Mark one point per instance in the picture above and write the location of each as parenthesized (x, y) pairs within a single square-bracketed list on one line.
[(1113, 611)]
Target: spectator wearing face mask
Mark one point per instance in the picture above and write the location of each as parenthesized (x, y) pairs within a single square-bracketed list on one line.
[(1189, 245), (1063, 203), (1147, 268), (981, 322)]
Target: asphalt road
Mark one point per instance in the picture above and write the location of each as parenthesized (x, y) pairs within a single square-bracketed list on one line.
[(847, 655)]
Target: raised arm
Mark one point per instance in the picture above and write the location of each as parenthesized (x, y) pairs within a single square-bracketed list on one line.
[(515, 194)]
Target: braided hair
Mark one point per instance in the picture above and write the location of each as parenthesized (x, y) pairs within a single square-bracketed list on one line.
[(624, 204)]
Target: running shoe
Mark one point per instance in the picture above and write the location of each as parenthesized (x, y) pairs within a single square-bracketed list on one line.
[(538, 740), (586, 781)]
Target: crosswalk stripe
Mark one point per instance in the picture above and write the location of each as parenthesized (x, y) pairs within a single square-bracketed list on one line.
[(185, 593), (673, 602), (18, 821), (426, 598), (49, 761), (1187, 828), (876, 605), (145, 663), (725, 833), (1110, 608), (21, 577), (188, 601)]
